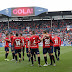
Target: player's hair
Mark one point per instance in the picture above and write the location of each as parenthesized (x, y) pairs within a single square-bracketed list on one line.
[(11, 33), (7, 34), (45, 31), (16, 34), (33, 32), (21, 34)]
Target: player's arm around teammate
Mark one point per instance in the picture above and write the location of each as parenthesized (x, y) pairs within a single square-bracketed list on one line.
[(47, 39)]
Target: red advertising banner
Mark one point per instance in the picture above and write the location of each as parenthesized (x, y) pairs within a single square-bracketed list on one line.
[(23, 11)]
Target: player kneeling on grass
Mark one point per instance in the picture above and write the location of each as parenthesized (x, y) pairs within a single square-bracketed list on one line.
[(57, 44), (17, 42), (7, 40), (34, 47), (47, 39)]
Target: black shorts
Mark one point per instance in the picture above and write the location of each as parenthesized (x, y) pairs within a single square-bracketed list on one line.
[(27, 51), (12, 48), (46, 50), (17, 51), (56, 48), (35, 51), (51, 51), (6, 49)]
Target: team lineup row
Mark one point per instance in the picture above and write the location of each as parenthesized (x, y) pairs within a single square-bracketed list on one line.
[(18, 43)]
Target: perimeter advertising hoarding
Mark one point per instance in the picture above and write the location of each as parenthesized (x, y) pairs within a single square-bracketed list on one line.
[(22, 11)]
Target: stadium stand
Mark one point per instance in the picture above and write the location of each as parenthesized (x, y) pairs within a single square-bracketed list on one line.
[(58, 22), (58, 26)]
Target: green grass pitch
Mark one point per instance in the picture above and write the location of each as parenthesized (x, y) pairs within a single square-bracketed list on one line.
[(64, 65)]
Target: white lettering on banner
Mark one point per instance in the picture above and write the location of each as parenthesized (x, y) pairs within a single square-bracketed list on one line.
[(22, 11)]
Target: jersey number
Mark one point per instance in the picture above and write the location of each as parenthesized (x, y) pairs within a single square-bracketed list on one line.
[(18, 43), (34, 42), (47, 41), (56, 41)]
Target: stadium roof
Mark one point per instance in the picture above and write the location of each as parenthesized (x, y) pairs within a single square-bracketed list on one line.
[(34, 13), (23, 11)]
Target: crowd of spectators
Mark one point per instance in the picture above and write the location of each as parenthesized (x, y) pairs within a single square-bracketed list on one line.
[(58, 26)]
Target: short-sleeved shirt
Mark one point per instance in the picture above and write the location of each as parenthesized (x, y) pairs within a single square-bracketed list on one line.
[(33, 40), (17, 42), (12, 39), (6, 42), (47, 41), (57, 41)]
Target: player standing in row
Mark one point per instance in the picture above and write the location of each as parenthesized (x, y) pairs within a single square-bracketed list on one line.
[(57, 44), (27, 45), (47, 39), (7, 40), (52, 59), (23, 42), (17, 42), (12, 49), (34, 47)]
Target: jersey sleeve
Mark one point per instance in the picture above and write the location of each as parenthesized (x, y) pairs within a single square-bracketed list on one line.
[(25, 41), (60, 41), (30, 39), (13, 41), (21, 40), (51, 39)]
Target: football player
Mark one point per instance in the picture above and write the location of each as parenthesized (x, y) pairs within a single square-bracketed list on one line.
[(12, 49), (57, 44), (34, 47), (23, 42), (17, 42), (47, 40), (27, 45), (7, 40)]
